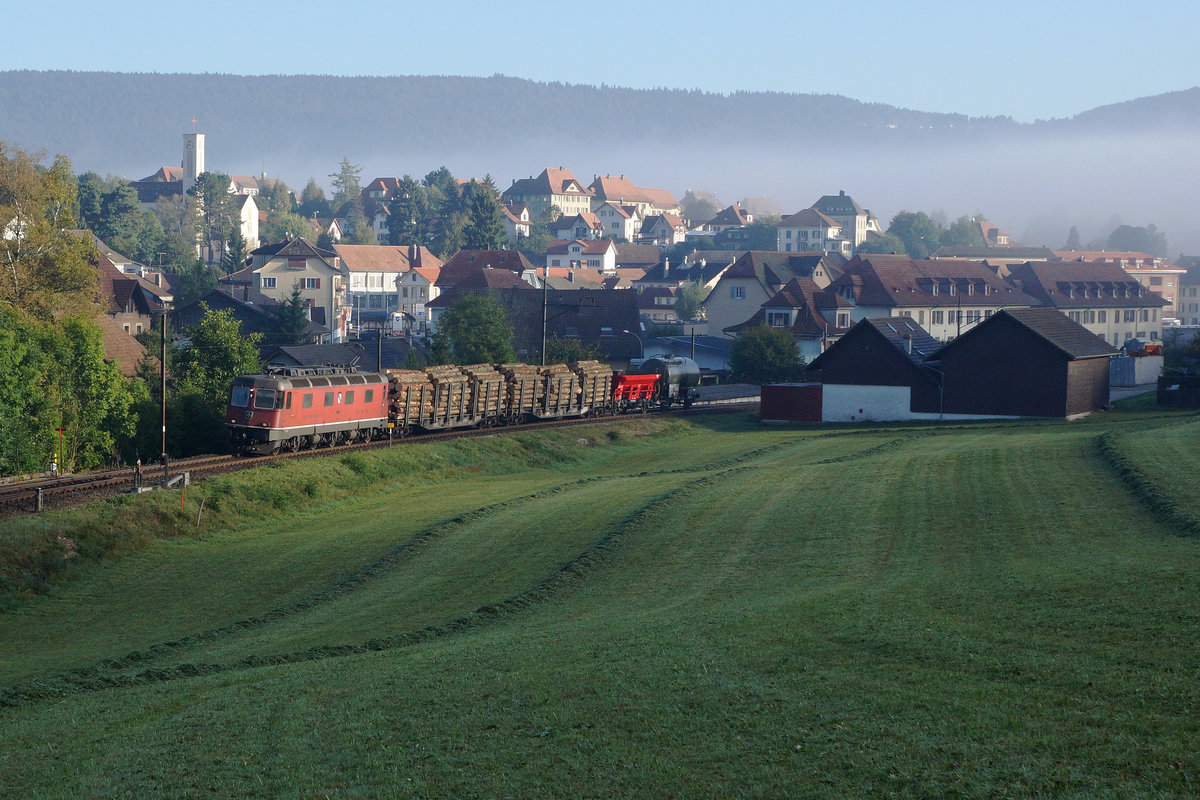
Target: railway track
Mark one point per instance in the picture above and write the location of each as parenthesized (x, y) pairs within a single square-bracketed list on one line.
[(29, 497)]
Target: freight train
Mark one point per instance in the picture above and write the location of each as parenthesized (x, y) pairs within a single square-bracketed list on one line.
[(294, 408)]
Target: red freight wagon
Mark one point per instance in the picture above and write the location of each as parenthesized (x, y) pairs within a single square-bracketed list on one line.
[(633, 391), (295, 407)]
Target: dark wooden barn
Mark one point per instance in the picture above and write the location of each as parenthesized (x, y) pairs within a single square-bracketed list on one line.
[(1026, 362), (884, 351)]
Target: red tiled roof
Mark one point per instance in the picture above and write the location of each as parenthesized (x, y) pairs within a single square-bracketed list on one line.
[(385, 258), (621, 189)]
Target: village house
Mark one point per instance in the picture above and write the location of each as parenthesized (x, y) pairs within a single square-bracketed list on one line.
[(276, 269), (376, 273), (1156, 274), (733, 216), (945, 296), (553, 188), (809, 230), (1100, 296), (1187, 305), (757, 276), (856, 222), (584, 226), (620, 220), (657, 306), (517, 222), (598, 254), (621, 190), (815, 317), (662, 230)]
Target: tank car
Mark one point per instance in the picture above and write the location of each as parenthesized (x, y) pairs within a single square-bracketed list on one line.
[(678, 379)]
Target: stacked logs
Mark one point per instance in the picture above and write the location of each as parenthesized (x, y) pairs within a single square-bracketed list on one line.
[(596, 382), (410, 393), (524, 388), (561, 386), (451, 390), (488, 389)]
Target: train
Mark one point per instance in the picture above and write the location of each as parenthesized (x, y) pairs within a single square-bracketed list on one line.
[(296, 408)]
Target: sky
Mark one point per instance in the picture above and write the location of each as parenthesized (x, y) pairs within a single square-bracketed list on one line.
[(1025, 60)]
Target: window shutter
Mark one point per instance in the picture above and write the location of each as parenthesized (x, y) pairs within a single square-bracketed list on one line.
[(318, 286)]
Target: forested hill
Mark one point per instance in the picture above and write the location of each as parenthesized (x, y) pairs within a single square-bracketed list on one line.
[(1134, 159), (126, 123)]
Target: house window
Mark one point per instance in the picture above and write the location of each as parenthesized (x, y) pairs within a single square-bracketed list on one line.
[(1089, 317), (1130, 315), (778, 319), (843, 319), (921, 317), (737, 292), (1102, 316), (268, 283), (312, 283), (127, 328), (375, 281)]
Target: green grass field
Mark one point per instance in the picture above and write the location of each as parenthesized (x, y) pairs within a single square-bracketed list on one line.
[(661, 608)]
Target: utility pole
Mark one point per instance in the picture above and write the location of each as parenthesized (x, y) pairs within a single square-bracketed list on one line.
[(545, 305), (162, 377)]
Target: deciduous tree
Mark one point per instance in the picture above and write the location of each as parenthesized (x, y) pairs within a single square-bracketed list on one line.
[(44, 269), (920, 234), (1132, 239), (475, 330), (963, 232), (689, 301), (765, 355)]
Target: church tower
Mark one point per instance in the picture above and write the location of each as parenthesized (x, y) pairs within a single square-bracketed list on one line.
[(193, 158)]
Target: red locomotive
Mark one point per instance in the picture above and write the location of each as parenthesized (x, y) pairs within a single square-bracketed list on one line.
[(297, 407)]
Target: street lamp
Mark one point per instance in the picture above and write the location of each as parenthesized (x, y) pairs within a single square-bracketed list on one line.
[(641, 347)]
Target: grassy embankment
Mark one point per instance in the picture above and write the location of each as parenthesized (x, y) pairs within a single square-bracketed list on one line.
[(994, 610)]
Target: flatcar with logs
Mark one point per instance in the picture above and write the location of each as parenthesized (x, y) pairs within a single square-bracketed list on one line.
[(293, 408)]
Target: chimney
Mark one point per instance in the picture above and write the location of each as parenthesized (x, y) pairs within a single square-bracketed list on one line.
[(908, 343)]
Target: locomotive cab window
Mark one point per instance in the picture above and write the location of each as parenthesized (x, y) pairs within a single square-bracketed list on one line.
[(288, 403), (264, 399), (307, 402), (240, 396)]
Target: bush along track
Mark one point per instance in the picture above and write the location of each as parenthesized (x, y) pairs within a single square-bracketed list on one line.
[(1149, 494), (111, 672)]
